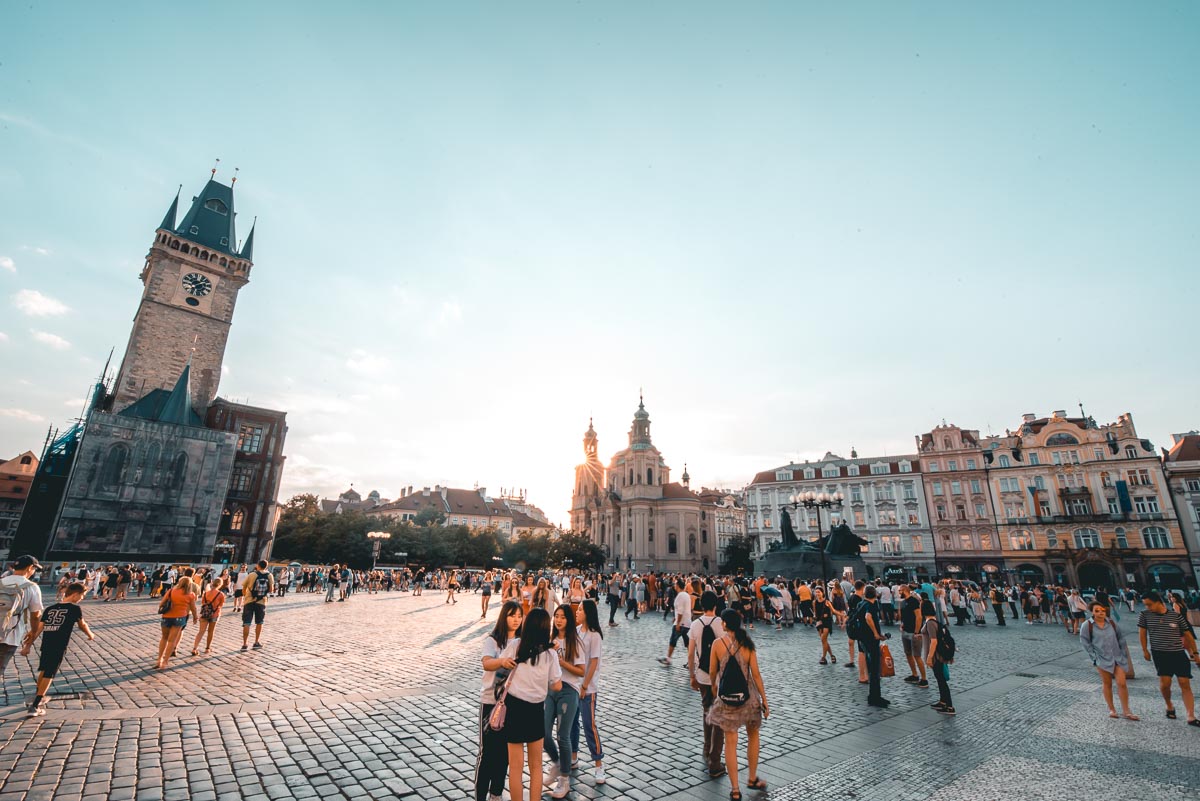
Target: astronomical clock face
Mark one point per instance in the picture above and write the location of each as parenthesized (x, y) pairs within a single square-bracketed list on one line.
[(197, 285)]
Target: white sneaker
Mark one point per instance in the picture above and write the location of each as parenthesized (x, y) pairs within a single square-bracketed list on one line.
[(564, 787), (494, 797), (551, 776), (599, 774)]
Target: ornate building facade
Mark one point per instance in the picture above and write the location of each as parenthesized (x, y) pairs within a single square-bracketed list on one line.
[(632, 509), (1182, 466), (160, 469), (884, 504), (16, 476), (1084, 504)]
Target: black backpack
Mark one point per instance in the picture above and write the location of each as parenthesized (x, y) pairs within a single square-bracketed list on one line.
[(945, 644), (732, 688), (262, 585), (856, 624), (707, 638)]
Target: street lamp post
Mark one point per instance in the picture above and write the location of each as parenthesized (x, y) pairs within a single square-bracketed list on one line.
[(818, 501), (377, 538)]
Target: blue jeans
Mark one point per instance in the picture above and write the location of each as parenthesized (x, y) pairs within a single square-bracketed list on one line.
[(561, 707), (587, 715)]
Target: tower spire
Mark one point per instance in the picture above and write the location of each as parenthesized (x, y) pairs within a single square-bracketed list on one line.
[(247, 251), (178, 407), (169, 218)]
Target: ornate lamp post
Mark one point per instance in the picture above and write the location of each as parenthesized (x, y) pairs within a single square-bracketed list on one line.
[(377, 538), (818, 501)]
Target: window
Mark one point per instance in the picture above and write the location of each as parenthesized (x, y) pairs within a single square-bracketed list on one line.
[(885, 493), (1021, 541), (1079, 506), (649, 476), (933, 467), (216, 205), (1130, 452), (910, 492), (1061, 439), (952, 465), (1051, 538), (113, 474), (1010, 485), (906, 467), (250, 438), (960, 512), (856, 494), (629, 538), (1087, 538), (887, 517), (692, 543), (891, 544), (985, 541), (1099, 454), (1005, 461), (964, 542), (704, 536), (243, 478), (860, 519), (880, 469), (650, 534), (956, 488), (830, 471), (1044, 507), (178, 472), (1147, 504), (1122, 538), (976, 488), (970, 464), (914, 518), (810, 473), (783, 475), (1034, 458), (917, 545), (1140, 478), (1192, 484), (1156, 537), (1114, 507), (1014, 511), (1039, 482), (852, 470), (237, 519), (937, 487), (941, 512), (980, 511), (1105, 479)]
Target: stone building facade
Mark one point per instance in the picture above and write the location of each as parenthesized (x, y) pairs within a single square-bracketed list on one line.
[(961, 508), (16, 477), (1182, 467), (632, 509), (884, 503), (1084, 504)]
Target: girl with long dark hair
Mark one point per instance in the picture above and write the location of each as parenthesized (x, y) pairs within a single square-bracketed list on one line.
[(562, 706), (537, 673), (736, 646), (592, 638), (823, 613), (491, 766)]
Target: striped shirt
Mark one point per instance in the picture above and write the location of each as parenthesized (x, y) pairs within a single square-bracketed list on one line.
[(1164, 631)]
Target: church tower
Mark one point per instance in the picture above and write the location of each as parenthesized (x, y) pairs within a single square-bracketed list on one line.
[(191, 280)]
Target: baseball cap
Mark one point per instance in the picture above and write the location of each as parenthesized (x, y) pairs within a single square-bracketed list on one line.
[(25, 562)]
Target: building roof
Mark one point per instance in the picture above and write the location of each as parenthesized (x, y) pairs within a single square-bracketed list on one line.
[(675, 490), (522, 520), (1185, 449), (163, 406), (797, 470), (209, 222)]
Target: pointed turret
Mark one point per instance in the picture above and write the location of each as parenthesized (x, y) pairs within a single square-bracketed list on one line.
[(209, 222), (687, 480), (247, 252), (169, 218), (178, 408), (639, 434)]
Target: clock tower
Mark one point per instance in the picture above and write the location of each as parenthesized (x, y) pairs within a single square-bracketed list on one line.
[(190, 280)]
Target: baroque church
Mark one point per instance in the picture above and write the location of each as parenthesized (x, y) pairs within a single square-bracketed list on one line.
[(632, 509), (161, 469)]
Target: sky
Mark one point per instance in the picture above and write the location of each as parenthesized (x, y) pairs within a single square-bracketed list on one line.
[(797, 227)]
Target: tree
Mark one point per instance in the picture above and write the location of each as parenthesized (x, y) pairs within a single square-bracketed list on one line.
[(304, 506), (430, 516), (578, 548), (529, 551), (737, 555)]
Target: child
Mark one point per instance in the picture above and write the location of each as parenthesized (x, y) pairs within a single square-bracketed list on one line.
[(58, 621)]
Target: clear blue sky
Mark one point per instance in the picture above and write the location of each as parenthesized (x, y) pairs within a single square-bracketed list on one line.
[(799, 227)]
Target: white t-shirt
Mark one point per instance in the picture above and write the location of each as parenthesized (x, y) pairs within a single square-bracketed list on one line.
[(531, 682), (885, 594), (696, 635), (683, 608), (31, 601), (581, 659), (492, 650), (595, 650)]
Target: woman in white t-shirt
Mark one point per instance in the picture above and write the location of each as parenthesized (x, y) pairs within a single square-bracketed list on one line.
[(563, 706), (491, 768), (537, 673), (591, 635)]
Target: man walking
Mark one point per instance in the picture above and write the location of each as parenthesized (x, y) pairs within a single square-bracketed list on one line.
[(20, 610), (998, 604), (910, 628), (255, 590), (703, 632), (1167, 642), (683, 620)]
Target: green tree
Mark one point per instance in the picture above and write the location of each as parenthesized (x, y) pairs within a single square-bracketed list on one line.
[(582, 552), (529, 551), (430, 516), (737, 555)]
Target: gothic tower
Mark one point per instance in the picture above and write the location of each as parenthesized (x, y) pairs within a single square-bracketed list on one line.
[(191, 280)]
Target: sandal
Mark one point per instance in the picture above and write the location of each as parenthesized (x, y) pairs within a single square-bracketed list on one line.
[(195, 652), (1130, 716), (1171, 714), (756, 784), (734, 795), (1194, 722)]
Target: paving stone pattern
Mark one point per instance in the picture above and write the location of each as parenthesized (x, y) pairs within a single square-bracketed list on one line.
[(376, 699)]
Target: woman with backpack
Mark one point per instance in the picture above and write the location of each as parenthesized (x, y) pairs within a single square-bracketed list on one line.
[(491, 767), (211, 602), (741, 700), (1105, 644), (178, 603), (939, 649)]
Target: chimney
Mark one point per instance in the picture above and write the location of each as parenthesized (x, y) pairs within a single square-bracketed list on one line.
[(483, 493), (410, 489), (1060, 413), (425, 491), (443, 491), (1029, 417)]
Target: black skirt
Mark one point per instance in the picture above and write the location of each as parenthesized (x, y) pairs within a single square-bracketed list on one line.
[(523, 722)]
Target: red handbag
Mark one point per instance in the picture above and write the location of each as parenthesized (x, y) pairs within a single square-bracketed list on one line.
[(887, 666)]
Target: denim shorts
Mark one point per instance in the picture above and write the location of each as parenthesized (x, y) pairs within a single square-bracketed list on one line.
[(175, 622)]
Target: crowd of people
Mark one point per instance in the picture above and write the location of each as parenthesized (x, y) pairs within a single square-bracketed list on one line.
[(542, 660)]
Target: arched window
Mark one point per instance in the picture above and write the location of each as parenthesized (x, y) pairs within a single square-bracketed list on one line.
[(946, 443), (692, 544), (1087, 538), (1021, 540), (213, 204), (1061, 439), (704, 536), (672, 543), (195, 251), (631, 478), (649, 476), (115, 463), (1122, 538), (26, 460), (178, 471), (1156, 537), (174, 244), (1051, 538), (237, 519), (148, 467)]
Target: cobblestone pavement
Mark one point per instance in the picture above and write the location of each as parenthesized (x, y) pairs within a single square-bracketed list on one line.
[(376, 698)]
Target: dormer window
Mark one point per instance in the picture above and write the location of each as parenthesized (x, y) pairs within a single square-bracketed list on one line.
[(225, 241), (195, 229), (217, 206)]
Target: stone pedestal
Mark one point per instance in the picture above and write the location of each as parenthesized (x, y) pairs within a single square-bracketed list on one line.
[(806, 565)]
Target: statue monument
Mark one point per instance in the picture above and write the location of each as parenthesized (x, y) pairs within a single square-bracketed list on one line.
[(828, 556)]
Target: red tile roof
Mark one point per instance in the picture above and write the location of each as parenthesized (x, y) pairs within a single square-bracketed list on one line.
[(1187, 449)]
